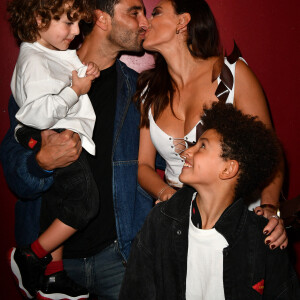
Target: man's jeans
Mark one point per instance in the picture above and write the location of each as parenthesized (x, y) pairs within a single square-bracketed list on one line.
[(101, 274)]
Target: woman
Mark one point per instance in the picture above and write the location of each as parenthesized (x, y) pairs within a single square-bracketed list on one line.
[(190, 73)]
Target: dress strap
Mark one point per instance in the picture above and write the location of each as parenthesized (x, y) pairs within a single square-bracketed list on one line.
[(226, 80), (226, 76)]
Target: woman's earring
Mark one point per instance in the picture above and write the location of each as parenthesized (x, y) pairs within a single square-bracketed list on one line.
[(177, 31)]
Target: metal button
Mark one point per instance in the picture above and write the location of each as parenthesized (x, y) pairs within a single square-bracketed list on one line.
[(179, 232)]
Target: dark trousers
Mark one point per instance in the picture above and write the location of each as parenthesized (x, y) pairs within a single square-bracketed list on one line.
[(73, 197)]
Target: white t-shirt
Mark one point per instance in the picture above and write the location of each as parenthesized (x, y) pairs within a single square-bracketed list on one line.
[(204, 278), (41, 87)]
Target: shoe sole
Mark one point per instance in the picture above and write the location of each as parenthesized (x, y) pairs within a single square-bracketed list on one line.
[(17, 275), (57, 296)]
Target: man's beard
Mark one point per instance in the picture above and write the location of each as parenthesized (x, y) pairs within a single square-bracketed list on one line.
[(126, 39)]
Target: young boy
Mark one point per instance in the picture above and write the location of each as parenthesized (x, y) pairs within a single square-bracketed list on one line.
[(50, 86), (204, 243)]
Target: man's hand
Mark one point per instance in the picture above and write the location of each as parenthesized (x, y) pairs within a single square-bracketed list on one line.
[(58, 150), (275, 231)]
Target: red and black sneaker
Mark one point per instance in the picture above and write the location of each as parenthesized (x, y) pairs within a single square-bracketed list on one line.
[(60, 286), (27, 269)]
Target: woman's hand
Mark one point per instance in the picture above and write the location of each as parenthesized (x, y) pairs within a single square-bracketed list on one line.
[(275, 230), (165, 194)]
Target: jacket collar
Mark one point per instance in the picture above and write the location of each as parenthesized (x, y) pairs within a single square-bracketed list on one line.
[(230, 224)]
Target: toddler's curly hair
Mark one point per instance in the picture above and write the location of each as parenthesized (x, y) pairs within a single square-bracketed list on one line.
[(248, 141), (23, 13)]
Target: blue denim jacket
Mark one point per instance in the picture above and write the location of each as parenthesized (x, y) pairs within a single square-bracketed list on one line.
[(28, 181)]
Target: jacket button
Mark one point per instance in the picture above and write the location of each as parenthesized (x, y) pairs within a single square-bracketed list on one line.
[(179, 232)]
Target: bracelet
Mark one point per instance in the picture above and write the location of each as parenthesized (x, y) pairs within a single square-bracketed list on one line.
[(273, 207), (161, 191)]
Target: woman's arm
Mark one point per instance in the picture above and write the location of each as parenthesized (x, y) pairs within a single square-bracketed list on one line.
[(148, 178), (250, 99)]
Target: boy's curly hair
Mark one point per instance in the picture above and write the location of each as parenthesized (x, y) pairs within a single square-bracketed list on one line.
[(249, 142), (23, 13)]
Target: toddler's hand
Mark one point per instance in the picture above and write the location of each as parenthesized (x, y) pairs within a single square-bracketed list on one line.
[(81, 85), (92, 69)]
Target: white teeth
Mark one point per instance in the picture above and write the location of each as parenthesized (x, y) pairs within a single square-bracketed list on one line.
[(187, 165)]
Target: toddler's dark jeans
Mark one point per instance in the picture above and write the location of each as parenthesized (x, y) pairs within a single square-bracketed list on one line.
[(73, 197)]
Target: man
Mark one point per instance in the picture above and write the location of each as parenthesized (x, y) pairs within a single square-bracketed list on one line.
[(95, 257)]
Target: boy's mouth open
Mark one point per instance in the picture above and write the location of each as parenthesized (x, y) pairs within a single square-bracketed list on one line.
[(187, 164)]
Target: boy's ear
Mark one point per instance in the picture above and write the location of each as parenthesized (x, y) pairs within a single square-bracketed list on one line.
[(231, 169), (183, 21), (38, 20), (102, 19)]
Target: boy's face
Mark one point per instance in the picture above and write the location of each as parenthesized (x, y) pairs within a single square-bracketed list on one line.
[(59, 34), (203, 162), (128, 25)]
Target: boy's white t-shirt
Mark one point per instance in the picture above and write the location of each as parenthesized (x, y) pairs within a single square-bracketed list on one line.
[(204, 279)]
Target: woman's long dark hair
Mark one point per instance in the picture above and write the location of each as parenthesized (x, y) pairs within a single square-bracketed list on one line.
[(156, 86)]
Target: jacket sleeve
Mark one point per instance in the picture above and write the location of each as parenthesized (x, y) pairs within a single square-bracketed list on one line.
[(139, 279), (23, 174), (282, 282)]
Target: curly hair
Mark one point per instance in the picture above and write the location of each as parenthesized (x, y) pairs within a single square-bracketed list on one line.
[(248, 141), (23, 13)]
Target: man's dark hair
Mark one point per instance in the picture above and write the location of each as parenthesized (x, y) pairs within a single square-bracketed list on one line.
[(248, 141), (107, 6)]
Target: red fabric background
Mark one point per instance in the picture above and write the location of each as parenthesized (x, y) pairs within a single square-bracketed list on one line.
[(267, 32)]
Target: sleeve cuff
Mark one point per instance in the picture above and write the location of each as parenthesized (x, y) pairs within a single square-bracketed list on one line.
[(69, 96), (35, 169)]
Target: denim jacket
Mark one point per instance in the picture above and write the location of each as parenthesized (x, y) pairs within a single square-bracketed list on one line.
[(157, 265), (28, 181)]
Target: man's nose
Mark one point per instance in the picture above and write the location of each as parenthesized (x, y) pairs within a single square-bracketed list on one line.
[(143, 23)]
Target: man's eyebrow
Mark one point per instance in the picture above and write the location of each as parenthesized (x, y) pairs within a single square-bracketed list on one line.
[(137, 7)]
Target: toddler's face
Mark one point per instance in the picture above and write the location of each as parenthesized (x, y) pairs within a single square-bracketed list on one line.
[(59, 34)]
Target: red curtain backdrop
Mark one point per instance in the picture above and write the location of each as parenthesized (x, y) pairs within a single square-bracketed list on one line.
[(267, 33)]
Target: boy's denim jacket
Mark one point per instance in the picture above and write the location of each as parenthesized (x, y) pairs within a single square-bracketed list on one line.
[(157, 265), (28, 181)]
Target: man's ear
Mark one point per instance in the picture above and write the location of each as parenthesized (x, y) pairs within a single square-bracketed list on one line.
[(230, 170), (183, 21), (102, 19)]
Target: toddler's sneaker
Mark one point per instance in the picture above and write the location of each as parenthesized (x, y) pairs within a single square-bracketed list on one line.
[(59, 286), (27, 269)]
